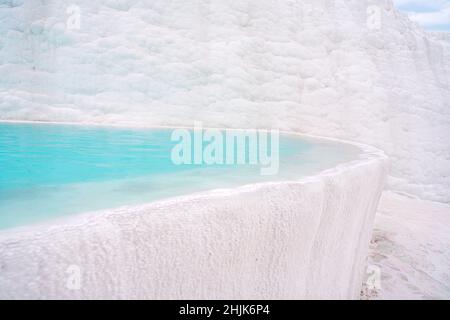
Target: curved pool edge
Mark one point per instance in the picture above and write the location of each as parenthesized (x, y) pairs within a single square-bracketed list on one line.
[(274, 240)]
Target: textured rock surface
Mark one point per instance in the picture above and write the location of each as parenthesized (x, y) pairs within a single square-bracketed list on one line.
[(411, 248), (304, 239), (314, 65)]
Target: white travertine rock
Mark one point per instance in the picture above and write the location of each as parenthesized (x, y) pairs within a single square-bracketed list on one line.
[(315, 66), (302, 239)]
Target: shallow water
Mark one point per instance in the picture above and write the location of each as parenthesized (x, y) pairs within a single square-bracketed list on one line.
[(51, 170)]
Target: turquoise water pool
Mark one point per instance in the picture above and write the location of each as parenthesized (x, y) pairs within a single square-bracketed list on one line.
[(51, 170)]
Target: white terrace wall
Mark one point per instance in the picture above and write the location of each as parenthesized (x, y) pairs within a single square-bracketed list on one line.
[(304, 239)]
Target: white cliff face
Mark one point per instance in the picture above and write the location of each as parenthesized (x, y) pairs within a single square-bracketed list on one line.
[(314, 66), (304, 239)]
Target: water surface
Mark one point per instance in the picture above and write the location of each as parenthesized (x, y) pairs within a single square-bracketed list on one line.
[(51, 170)]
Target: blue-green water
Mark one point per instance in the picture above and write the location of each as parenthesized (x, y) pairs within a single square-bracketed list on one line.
[(55, 170)]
